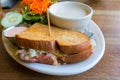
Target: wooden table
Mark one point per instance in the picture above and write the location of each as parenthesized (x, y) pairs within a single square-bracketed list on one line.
[(107, 16)]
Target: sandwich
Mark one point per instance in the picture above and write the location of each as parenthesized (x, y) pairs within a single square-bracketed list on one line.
[(62, 47)]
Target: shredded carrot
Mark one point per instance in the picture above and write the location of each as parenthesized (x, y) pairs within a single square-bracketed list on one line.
[(22, 11), (37, 6)]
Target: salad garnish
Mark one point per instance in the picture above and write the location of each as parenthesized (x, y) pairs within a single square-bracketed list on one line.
[(35, 10)]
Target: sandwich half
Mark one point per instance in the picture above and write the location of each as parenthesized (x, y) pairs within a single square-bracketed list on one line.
[(62, 47)]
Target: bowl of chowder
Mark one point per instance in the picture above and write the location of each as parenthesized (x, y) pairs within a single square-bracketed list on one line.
[(71, 15)]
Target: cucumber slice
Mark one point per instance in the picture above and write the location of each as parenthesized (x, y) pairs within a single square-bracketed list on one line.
[(11, 19), (8, 13)]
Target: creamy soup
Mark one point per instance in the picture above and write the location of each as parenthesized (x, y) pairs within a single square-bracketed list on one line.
[(70, 11)]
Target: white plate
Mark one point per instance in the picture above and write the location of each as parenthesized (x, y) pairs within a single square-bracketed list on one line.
[(69, 69)]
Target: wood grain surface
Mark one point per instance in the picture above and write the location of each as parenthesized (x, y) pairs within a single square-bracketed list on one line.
[(107, 16)]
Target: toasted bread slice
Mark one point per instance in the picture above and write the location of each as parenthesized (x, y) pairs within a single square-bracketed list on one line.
[(77, 57), (76, 48), (37, 37)]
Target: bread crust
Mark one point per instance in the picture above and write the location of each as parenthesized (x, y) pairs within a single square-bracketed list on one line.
[(68, 49), (77, 57), (49, 46)]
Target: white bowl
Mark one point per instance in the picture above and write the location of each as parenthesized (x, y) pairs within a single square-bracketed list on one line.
[(71, 15)]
